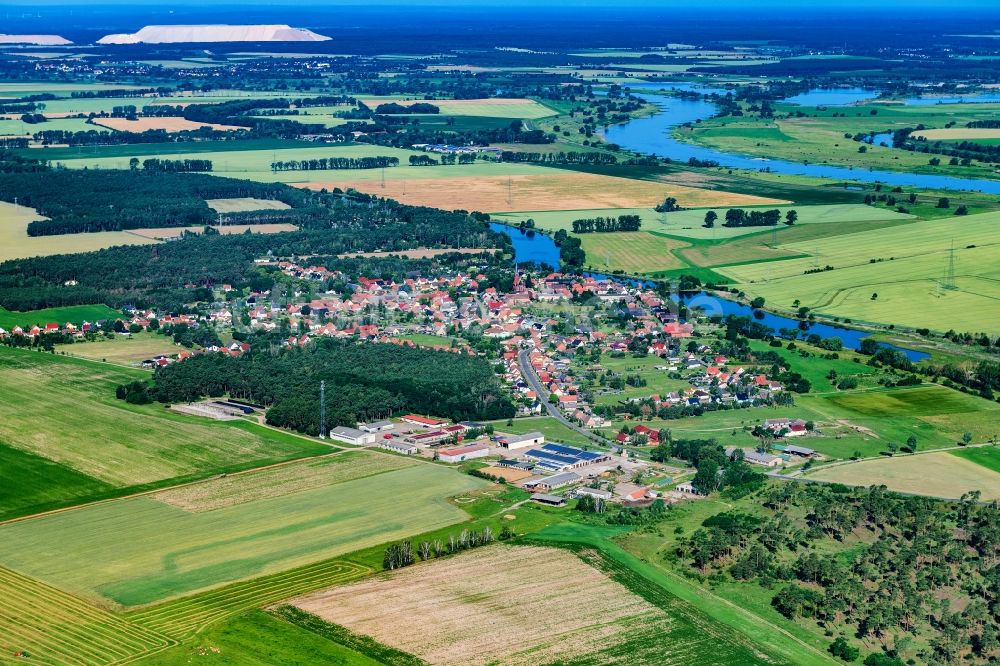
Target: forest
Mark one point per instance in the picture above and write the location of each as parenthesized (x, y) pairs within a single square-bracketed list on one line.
[(923, 576), (364, 381), (166, 276)]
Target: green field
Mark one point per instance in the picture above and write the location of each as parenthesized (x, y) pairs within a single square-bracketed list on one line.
[(72, 314), (54, 627), (258, 638), (121, 349), (255, 164), (553, 430), (116, 443), (30, 484), (690, 223), (988, 457), (904, 266), (634, 252), (141, 550), (819, 137)]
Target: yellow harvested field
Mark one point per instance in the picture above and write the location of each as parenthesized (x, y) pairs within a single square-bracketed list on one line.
[(499, 604), (938, 474), (245, 204), (15, 243), (958, 133), (168, 124), (161, 233), (540, 192), (280, 480), (418, 253)]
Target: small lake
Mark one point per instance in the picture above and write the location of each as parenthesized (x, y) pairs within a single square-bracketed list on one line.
[(539, 248), (832, 97)]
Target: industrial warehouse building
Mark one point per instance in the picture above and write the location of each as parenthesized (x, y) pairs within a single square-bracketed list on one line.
[(463, 453), (352, 436), (558, 457), (524, 441)]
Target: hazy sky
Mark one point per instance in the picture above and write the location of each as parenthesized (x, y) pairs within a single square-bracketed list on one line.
[(746, 5)]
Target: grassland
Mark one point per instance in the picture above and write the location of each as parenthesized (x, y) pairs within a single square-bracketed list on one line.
[(520, 605), (129, 350), (15, 242), (988, 457), (31, 484), (938, 474), (116, 443), (141, 550), (633, 252), (903, 265), (553, 430), (72, 314), (497, 107), (958, 134), (818, 138), (690, 223), (53, 627), (257, 638)]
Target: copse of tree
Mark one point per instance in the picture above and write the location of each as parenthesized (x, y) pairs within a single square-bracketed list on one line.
[(592, 158), (176, 166), (364, 382), (392, 108), (737, 217), (607, 224)]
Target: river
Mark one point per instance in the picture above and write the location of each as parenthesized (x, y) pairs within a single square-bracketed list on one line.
[(539, 248), (653, 135)]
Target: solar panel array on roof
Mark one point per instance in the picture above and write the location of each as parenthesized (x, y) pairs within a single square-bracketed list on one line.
[(585, 456)]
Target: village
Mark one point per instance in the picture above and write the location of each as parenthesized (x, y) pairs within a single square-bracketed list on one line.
[(551, 363)]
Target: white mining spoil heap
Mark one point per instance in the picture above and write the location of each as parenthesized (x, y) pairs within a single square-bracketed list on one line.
[(36, 40), (173, 34)]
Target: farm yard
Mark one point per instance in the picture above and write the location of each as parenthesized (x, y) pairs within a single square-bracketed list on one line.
[(522, 605), (143, 550), (938, 474), (116, 443)]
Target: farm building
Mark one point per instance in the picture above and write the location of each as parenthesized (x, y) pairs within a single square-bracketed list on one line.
[(525, 441), (377, 426), (596, 493), (516, 464), (687, 488), (786, 427), (352, 436), (757, 458), (397, 446), (463, 453), (551, 500), (556, 457), (553, 482), (800, 451)]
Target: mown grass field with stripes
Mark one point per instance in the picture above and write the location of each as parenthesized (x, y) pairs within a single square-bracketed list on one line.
[(42, 625)]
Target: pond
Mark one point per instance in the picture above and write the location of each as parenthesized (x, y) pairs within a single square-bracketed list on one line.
[(539, 248)]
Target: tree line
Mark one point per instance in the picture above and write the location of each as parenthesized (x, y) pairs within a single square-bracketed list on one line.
[(333, 163), (607, 224)]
